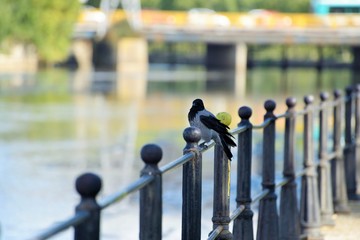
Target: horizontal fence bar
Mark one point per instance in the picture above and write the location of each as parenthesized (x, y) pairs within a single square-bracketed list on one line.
[(297, 114), (286, 180), (333, 103), (284, 115), (137, 185), (282, 182), (71, 222), (260, 196), (177, 163), (263, 124), (237, 212), (300, 173), (334, 154), (301, 112), (215, 233), (238, 130), (206, 146)]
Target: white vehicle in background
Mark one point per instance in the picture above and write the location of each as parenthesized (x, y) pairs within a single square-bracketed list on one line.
[(206, 17), (264, 18), (92, 22)]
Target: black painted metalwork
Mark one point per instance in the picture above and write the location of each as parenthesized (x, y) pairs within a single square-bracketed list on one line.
[(325, 190), (88, 186), (316, 207), (340, 198), (221, 205), (151, 194), (310, 217), (191, 207), (268, 215), (357, 139), (349, 149), (243, 224), (289, 213)]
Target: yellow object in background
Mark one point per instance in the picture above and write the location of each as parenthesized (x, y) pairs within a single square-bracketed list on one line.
[(224, 118)]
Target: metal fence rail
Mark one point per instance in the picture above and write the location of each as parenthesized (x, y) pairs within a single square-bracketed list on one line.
[(327, 181)]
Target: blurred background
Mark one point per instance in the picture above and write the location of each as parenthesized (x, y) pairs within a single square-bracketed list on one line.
[(85, 84)]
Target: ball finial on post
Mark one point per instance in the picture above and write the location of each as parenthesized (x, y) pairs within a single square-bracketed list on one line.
[(151, 154), (309, 99), (349, 90), (88, 185), (357, 88), (337, 93), (270, 105), (192, 134), (245, 112), (324, 96), (151, 194), (290, 102), (192, 185)]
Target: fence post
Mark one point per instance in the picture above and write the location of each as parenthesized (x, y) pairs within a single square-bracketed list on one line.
[(191, 207), (289, 214), (88, 185), (325, 191), (349, 155), (357, 139), (309, 202), (340, 199), (243, 225), (151, 194), (221, 205), (268, 222)]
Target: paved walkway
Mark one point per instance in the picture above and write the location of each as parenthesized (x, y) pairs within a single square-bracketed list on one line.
[(347, 227)]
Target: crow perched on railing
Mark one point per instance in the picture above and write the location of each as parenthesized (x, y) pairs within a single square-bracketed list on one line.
[(210, 127)]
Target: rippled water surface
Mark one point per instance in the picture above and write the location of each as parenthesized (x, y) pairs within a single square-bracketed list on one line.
[(57, 124)]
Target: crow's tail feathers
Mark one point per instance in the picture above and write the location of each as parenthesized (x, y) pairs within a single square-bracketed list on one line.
[(228, 138), (226, 142)]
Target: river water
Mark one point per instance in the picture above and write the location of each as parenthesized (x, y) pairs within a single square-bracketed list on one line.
[(51, 131)]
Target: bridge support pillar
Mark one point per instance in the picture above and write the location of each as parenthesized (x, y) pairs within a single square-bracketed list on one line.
[(356, 64), (83, 52), (132, 67), (227, 63), (356, 58)]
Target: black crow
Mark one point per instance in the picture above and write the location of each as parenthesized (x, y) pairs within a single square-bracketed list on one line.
[(210, 127)]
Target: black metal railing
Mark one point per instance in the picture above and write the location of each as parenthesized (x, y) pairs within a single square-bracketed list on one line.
[(327, 180)]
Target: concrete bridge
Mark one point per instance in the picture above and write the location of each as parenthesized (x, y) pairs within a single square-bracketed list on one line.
[(229, 29), (225, 34), (234, 35), (262, 28), (259, 27)]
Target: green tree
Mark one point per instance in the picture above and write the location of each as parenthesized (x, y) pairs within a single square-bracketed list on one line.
[(278, 5), (229, 5), (94, 3), (45, 24), (168, 5)]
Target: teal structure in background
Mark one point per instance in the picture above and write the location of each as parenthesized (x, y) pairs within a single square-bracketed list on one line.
[(324, 7)]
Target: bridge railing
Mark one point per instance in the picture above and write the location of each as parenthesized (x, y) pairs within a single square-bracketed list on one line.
[(326, 181), (93, 18)]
